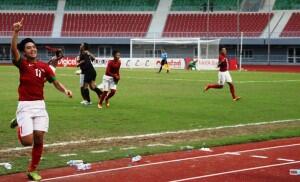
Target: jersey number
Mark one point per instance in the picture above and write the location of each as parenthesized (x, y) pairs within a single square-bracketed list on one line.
[(38, 73)]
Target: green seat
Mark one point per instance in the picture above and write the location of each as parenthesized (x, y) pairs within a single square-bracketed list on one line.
[(199, 5), (48, 5), (111, 5), (286, 4)]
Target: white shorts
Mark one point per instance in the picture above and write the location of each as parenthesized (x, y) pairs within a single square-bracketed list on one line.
[(52, 68), (31, 116), (81, 80), (107, 84), (224, 77)]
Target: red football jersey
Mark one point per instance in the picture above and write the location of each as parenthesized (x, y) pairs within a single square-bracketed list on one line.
[(223, 63), (32, 79), (113, 67)]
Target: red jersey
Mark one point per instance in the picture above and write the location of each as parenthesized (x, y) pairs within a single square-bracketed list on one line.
[(223, 62), (113, 68), (32, 79)]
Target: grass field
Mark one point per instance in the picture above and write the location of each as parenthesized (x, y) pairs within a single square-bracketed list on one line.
[(147, 102)]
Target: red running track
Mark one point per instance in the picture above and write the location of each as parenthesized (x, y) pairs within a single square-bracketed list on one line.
[(268, 161), (273, 68)]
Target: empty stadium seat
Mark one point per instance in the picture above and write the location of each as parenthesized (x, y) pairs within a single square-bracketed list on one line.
[(28, 5), (220, 24), (199, 5), (35, 24), (111, 5), (106, 25), (286, 4), (292, 28)]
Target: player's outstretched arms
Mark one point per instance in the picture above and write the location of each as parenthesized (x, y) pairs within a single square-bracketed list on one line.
[(14, 41), (60, 87)]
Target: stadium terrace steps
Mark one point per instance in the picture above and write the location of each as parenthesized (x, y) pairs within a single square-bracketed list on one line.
[(292, 28), (105, 25), (220, 25), (35, 24), (48, 5), (111, 5), (200, 5)]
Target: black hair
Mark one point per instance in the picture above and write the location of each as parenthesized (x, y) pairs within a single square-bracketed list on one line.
[(85, 46), (21, 45), (57, 52), (115, 52)]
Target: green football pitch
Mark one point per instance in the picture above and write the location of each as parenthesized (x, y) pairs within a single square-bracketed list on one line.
[(147, 102)]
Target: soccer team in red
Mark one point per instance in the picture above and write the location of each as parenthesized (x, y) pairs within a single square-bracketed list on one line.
[(32, 119)]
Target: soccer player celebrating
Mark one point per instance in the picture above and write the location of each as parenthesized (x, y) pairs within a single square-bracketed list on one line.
[(87, 68), (110, 79), (224, 76), (54, 60), (32, 117), (164, 62)]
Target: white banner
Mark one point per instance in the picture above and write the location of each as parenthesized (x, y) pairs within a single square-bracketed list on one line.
[(176, 63)]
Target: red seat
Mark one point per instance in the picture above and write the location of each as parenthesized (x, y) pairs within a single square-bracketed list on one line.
[(292, 28)]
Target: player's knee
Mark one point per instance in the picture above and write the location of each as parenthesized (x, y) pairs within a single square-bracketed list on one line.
[(26, 142)]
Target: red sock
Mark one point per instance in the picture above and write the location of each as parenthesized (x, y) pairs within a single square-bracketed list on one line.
[(216, 86), (232, 90), (112, 93), (36, 154), (103, 96)]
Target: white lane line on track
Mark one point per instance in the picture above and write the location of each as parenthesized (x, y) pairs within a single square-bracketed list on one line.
[(286, 160), (98, 151), (236, 171), (232, 153), (148, 135), (259, 156), (167, 162)]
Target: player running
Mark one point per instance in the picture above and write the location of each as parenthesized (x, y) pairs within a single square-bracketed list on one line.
[(110, 79), (224, 76), (32, 117), (87, 68), (52, 64), (164, 62)]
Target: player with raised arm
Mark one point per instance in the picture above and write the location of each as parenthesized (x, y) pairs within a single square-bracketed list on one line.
[(110, 79), (32, 117), (224, 75)]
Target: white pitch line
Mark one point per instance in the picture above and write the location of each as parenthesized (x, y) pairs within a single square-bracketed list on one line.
[(67, 155), (98, 151), (159, 144), (287, 160), (235, 171), (128, 148), (259, 156), (148, 135), (166, 162)]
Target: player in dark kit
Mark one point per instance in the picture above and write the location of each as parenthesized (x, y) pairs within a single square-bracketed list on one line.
[(110, 79), (87, 68), (224, 76), (32, 117)]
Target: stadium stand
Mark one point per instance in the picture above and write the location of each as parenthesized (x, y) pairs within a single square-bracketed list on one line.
[(292, 27), (201, 5), (28, 5), (111, 5), (220, 24), (286, 4), (36, 24), (106, 25), (252, 5)]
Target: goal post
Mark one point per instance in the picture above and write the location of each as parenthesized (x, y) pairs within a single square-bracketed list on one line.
[(205, 52)]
